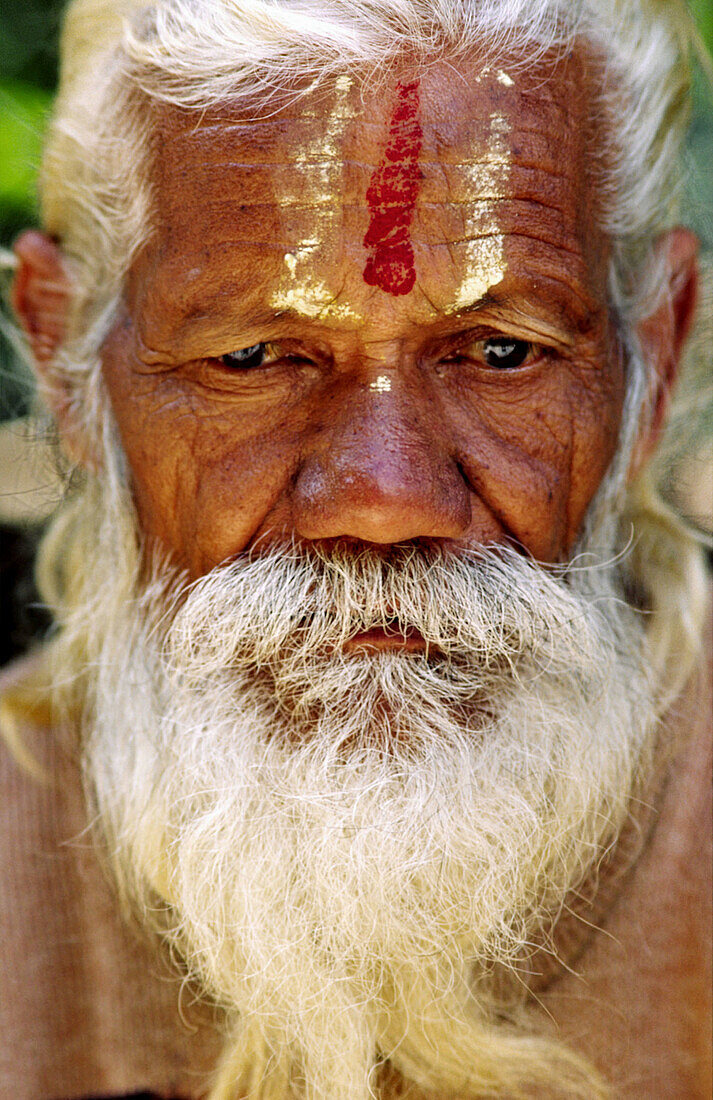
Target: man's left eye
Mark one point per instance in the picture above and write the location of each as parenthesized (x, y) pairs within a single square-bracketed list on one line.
[(501, 353), (504, 353), (258, 355)]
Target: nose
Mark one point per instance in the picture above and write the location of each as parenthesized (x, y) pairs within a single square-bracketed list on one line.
[(381, 472)]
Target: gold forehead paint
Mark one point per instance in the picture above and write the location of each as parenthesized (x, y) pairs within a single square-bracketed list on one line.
[(487, 177), (316, 184), (500, 75)]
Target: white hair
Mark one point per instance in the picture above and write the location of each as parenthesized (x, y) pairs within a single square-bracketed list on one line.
[(198, 53), (147, 738)]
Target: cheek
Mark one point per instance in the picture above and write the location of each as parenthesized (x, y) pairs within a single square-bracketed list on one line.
[(205, 473), (597, 412), (158, 437), (535, 447), (243, 480)]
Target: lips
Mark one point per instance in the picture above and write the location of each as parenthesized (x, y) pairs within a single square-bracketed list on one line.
[(390, 638)]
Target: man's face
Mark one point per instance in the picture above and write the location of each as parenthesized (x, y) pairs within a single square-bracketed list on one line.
[(415, 288)]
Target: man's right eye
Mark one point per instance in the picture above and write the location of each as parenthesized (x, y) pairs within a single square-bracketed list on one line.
[(258, 355)]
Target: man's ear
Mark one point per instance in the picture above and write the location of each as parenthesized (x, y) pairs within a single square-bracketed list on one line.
[(663, 333), (41, 293), (41, 297)]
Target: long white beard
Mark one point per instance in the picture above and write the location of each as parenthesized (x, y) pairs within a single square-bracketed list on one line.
[(347, 843)]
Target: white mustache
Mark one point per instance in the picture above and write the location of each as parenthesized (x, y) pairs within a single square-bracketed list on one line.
[(485, 607)]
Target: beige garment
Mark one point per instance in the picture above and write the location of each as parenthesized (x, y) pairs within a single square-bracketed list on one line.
[(88, 1008), (640, 1002)]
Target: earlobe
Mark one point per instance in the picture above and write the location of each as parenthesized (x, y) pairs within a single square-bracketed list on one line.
[(662, 335), (42, 298)]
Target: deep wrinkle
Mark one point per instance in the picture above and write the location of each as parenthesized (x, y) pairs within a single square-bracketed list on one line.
[(391, 197)]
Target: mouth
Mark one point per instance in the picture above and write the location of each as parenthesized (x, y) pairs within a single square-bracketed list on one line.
[(388, 639)]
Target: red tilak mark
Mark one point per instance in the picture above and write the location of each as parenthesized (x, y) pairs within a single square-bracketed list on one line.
[(391, 196)]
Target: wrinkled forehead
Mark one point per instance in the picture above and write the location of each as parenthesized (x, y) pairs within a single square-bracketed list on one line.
[(454, 105), (385, 182)]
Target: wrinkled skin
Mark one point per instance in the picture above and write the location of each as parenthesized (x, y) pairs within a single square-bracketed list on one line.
[(377, 417), (454, 450)]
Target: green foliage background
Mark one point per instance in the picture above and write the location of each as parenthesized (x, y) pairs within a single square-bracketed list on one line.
[(28, 71)]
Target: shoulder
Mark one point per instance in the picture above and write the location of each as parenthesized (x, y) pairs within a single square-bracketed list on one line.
[(40, 875), (89, 1007), (640, 1004), (40, 789)]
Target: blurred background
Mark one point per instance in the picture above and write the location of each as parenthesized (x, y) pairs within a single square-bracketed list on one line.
[(28, 490)]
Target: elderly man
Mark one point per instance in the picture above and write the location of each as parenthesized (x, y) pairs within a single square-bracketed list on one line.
[(377, 687)]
